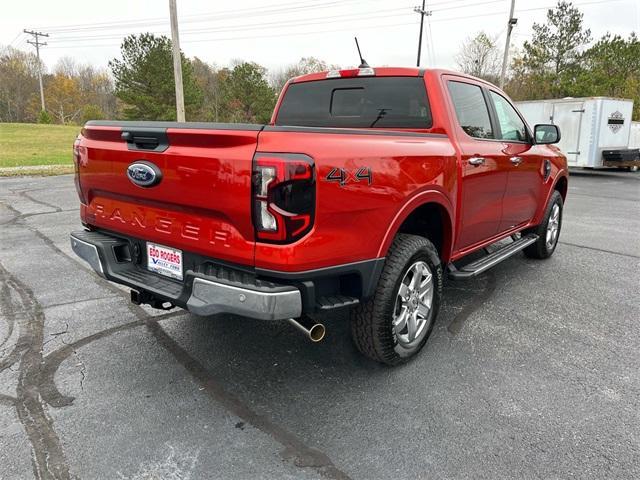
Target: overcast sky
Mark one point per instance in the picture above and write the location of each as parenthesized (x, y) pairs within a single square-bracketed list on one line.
[(278, 32)]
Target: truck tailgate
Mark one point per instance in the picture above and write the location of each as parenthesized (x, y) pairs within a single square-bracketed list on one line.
[(202, 202)]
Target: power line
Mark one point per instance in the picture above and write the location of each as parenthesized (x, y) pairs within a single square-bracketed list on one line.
[(349, 28), (10, 44), (240, 15), (373, 14), (262, 25), (431, 42), (37, 43)]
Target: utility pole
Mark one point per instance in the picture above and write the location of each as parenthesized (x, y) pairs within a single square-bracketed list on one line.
[(510, 25), (177, 61), (423, 13), (37, 43)]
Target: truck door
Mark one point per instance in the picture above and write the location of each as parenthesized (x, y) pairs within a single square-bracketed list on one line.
[(524, 160), (484, 167)]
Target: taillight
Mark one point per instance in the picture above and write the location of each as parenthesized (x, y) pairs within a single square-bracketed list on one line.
[(284, 196), (77, 159)]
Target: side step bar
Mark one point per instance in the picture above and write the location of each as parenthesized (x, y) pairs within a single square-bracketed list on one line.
[(485, 263)]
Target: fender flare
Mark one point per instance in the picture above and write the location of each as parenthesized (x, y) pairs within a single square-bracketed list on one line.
[(422, 198), (560, 175)]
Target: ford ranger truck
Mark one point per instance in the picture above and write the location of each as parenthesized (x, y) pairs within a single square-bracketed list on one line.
[(364, 189)]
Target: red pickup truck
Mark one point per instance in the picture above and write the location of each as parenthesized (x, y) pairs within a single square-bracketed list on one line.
[(366, 187)]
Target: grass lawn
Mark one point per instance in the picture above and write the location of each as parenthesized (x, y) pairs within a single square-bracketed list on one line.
[(32, 144)]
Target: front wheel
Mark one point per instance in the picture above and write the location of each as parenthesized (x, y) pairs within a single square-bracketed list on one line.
[(396, 322), (548, 231)]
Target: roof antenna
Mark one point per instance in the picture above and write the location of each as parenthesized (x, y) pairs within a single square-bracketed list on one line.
[(363, 62)]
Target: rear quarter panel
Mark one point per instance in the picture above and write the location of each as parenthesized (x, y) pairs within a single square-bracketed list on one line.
[(353, 219)]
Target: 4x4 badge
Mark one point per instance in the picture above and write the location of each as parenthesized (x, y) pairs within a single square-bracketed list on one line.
[(344, 176)]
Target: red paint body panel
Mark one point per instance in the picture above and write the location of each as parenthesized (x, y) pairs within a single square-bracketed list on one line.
[(203, 203), (351, 220)]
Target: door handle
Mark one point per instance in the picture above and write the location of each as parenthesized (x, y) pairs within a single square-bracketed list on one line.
[(516, 160), (477, 161)]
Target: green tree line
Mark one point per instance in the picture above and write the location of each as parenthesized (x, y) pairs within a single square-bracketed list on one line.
[(561, 59), (139, 85)]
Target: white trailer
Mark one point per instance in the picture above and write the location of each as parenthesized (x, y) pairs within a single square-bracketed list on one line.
[(634, 137), (594, 131)]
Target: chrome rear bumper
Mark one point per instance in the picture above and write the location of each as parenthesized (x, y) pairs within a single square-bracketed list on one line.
[(200, 294)]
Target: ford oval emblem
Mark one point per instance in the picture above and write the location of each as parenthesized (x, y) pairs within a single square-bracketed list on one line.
[(144, 174)]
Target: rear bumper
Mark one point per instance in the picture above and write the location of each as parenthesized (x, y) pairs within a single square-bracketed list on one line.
[(220, 290)]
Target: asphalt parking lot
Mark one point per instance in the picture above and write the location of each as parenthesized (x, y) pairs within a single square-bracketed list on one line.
[(533, 370)]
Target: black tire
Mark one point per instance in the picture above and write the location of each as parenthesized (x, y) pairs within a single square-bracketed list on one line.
[(542, 248), (372, 327)]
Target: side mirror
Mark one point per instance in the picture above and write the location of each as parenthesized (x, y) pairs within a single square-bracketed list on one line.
[(545, 134)]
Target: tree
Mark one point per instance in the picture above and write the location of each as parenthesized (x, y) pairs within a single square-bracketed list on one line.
[(611, 67), (304, 66), (98, 89), (144, 79), (44, 117), (480, 56), (550, 62), (246, 94), (64, 98), (18, 86), (208, 78)]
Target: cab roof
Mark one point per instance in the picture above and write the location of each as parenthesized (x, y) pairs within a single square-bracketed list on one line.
[(378, 72), (383, 72)]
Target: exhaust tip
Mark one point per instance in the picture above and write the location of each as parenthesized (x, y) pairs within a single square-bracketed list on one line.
[(317, 332), (313, 331)]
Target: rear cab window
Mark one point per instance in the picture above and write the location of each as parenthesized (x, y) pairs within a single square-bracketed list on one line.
[(367, 102)]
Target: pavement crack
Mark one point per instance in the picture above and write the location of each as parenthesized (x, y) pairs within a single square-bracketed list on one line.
[(83, 369), (25, 194), (53, 360), (294, 448), (48, 458), (8, 400), (599, 249)]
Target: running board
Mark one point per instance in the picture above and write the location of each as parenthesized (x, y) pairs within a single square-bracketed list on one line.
[(485, 263)]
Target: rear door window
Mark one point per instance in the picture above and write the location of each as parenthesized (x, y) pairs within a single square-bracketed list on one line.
[(471, 109), (371, 102)]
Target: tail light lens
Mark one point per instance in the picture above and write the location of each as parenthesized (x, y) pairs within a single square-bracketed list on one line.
[(284, 196), (77, 159)]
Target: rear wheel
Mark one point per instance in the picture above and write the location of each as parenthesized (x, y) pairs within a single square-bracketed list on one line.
[(548, 231), (396, 322)]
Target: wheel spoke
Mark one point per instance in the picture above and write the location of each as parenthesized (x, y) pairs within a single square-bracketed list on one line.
[(404, 291), (400, 322), (426, 285), (412, 325), (417, 276), (423, 309)]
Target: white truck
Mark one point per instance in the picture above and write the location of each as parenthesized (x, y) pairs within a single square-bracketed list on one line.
[(595, 131)]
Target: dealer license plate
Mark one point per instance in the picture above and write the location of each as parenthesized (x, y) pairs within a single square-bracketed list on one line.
[(166, 261)]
